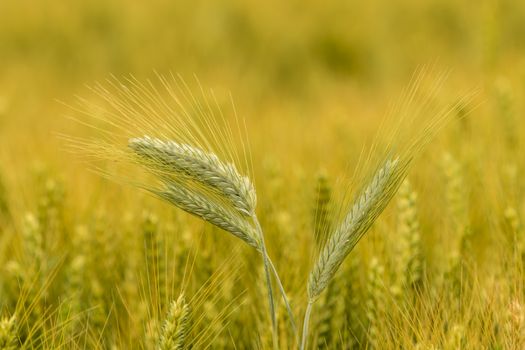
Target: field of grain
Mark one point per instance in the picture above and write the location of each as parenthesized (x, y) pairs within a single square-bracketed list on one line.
[(262, 175)]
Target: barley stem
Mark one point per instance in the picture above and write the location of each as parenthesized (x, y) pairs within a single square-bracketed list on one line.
[(285, 298), (275, 335), (305, 324)]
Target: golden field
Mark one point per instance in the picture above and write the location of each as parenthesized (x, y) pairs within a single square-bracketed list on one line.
[(94, 262)]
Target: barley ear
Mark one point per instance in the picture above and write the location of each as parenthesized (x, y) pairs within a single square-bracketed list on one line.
[(175, 327), (172, 158), (365, 210), (209, 210)]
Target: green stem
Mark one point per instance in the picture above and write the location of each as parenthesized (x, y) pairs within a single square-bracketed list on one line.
[(285, 298), (275, 335), (305, 325)]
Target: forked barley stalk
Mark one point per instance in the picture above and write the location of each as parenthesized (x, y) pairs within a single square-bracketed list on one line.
[(365, 210), (202, 185), (185, 155)]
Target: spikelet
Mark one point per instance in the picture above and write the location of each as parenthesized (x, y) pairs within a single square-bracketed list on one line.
[(8, 334), (362, 215), (175, 327)]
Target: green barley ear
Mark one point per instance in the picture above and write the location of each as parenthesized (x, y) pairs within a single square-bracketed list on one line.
[(200, 184), (213, 211), (367, 207), (210, 210), (173, 159), (175, 327), (402, 140), (8, 334), (190, 149), (365, 210)]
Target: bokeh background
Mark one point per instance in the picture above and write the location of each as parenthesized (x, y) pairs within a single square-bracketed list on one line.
[(313, 80), (300, 57)]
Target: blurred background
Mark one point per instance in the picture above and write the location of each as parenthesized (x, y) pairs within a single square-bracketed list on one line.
[(300, 58), (313, 80)]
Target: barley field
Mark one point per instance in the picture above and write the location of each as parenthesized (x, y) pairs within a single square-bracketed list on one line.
[(236, 174)]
